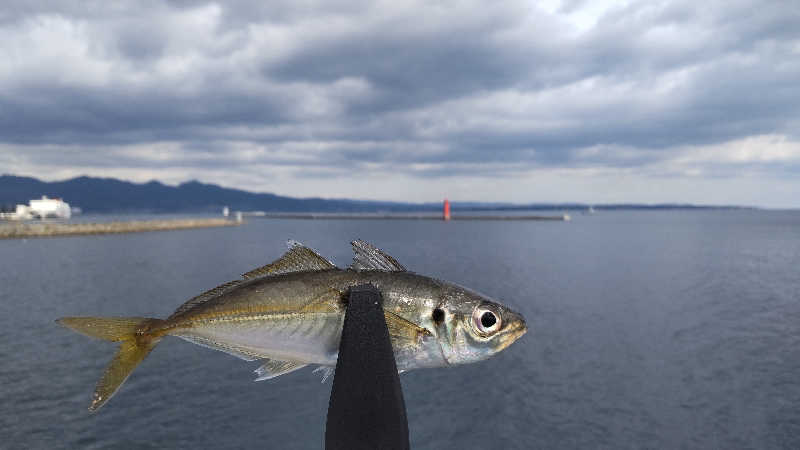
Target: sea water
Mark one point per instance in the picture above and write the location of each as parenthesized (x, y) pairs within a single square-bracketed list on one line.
[(647, 329)]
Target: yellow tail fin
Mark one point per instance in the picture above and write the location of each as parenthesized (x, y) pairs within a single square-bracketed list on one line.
[(136, 344)]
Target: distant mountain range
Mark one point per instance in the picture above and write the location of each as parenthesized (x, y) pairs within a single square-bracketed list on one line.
[(103, 195)]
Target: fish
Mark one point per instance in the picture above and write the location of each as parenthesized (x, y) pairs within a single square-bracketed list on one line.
[(289, 314)]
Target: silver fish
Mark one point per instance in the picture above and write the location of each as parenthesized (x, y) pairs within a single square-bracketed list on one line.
[(289, 314)]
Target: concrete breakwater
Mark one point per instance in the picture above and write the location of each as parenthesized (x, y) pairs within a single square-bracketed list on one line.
[(45, 229), (401, 216)]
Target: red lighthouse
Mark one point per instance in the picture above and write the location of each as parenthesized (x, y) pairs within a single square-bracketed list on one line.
[(446, 213)]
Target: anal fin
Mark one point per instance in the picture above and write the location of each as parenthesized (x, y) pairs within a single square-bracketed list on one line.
[(242, 353), (274, 368), (326, 372)]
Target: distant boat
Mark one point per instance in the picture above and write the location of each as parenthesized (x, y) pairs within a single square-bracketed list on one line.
[(50, 208), (589, 211), (43, 208)]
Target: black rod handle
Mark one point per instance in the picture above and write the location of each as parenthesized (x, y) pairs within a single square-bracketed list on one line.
[(366, 409)]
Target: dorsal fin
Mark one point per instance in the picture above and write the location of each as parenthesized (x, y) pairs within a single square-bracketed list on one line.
[(205, 296), (299, 258), (369, 257)]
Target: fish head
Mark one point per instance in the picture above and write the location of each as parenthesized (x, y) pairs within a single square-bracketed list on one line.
[(472, 327)]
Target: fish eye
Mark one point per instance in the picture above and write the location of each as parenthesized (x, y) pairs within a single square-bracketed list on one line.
[(438, 315), (486, 321)]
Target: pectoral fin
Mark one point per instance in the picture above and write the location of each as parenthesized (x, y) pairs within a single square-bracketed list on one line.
[(404, 332)]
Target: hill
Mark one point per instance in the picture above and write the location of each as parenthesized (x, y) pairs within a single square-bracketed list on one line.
[(103, 195), (112, 195)]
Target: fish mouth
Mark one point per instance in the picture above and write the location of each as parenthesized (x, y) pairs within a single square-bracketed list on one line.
[(515, 329)]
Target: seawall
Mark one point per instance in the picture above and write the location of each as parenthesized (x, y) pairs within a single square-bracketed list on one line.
[(400, 216), (45, 229)]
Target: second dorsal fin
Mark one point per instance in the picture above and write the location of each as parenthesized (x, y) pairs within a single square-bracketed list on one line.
[(299, 258), (369, 257)]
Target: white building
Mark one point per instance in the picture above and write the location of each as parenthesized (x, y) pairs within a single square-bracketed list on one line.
[(23, 212), (49, 208)]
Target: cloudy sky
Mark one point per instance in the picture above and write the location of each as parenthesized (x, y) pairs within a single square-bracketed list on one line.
[(520, 101)]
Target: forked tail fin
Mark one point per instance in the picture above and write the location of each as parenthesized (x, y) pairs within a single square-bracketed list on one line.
[(135, 340)]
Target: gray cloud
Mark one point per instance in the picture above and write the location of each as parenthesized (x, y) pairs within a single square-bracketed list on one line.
[(426, 90)]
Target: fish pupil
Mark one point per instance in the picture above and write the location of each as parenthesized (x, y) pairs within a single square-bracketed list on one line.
[(488, 319), (438, 315)]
